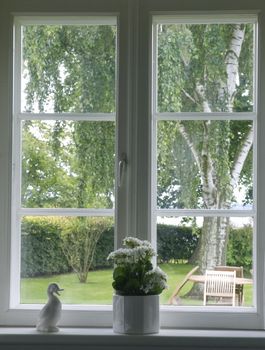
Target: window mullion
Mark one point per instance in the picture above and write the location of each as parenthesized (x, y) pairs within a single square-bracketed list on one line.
[(68, 116), (205, 212), (16, 171), (65, 212), (205, 116)]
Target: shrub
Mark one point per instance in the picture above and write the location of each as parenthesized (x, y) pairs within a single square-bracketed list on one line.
[(79, 239), (104, 246)]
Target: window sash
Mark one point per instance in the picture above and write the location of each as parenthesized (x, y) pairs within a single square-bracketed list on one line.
[(195, 116), (18, 117)]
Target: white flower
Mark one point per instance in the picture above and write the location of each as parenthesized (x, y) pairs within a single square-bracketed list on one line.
[(134, 261), (136, 252), (155, 280), (132, 242)]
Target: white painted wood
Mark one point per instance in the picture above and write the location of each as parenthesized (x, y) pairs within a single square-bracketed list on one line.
[(205, 116), (134, 219), (104, 338), (64, 212), (18, 117), (68, 19), (97, 117), (205, 212), (206, 18)]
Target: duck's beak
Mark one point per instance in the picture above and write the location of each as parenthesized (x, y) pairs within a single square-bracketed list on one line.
[(59, 290)]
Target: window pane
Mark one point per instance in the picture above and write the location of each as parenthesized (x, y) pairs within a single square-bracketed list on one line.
[(69, 68), (185, 242), (204, 164), (71, 251), (68, 164), (205, 67)]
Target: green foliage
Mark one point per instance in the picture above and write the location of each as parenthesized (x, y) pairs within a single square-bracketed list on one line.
[(239, 250), (71, 164), (176, 168), (45, 169), (74, 66), (69, 69), (133, 273), (41, 247), (41, 252), (79, 239), (194, 55), (94, 163), (175, 243)]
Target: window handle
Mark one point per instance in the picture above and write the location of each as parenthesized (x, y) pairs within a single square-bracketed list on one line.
[(122, 168)]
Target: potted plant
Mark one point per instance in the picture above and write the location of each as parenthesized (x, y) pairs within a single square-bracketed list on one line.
[(137, 285)]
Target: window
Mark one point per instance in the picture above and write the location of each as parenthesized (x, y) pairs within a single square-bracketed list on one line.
[(204, 103), (64, 153), (144, 83)]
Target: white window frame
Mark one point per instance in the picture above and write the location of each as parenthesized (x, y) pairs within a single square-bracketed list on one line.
[(18, 212), (196, 116), (12, 312), (134, 204)]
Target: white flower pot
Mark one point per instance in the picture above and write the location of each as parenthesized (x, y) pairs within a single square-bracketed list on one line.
[(136, 314)]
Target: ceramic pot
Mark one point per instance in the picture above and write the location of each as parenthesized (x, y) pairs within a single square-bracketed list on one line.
[(136, 314)]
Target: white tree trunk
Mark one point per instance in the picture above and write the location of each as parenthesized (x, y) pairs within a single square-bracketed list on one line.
[(211, 250), (232, 66)]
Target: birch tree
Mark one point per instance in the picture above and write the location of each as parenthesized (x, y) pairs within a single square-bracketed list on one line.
[(205, 68), (201, 68)]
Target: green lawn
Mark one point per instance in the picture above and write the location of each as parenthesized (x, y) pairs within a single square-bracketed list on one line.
[(98, 288)]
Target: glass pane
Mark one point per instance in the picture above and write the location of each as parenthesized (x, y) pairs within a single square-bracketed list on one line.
[(68, 164), (205, 67), (211, 243), (69, 251), (69, 68), (205, 164)]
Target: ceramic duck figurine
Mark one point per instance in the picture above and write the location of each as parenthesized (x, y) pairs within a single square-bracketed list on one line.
[(51, 312)]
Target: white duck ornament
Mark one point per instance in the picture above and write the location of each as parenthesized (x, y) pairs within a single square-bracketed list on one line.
[(51, 312)]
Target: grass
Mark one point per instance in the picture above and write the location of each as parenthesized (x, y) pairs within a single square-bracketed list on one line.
[(98, 289)]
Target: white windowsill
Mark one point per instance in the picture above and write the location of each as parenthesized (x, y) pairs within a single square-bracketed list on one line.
[(167, 338)]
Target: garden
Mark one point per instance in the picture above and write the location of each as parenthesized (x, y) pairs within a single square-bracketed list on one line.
[(69, 164), (45, 258)]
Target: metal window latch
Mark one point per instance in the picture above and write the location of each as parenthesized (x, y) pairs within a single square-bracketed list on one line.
[(122, 167)]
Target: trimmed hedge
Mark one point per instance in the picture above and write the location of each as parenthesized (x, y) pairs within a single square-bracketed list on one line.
[(41, 252), (239, 249), (175, 243)]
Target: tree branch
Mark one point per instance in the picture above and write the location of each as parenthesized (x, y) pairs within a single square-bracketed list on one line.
[(200, 89), (241, 157), (209, 188), (188, 95), (187, 138)]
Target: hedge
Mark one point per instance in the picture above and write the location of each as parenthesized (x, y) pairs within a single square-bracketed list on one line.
[(42, 254), (239, 250), (175, 243)]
